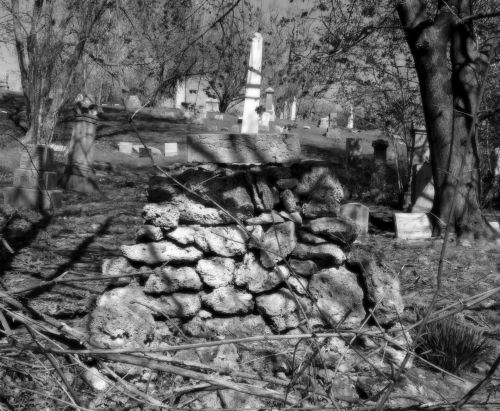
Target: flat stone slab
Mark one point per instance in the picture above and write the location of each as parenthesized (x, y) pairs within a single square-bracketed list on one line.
[(243, 148), (358, 213), (30, 178), (32, 198), (412, 226)]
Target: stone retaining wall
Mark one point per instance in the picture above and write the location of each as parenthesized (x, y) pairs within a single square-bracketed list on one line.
[(238, 251)]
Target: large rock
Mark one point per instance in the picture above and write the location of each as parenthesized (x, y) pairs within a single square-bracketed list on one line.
[(183, 234), (288, 200), (217, 271), (339, 230), (256, 278), (172, 279), (307, 237), (180, 305), (282, 309), (120, 321), (161, 215), (225, 241), (321, 184), (325, 253), (338, 296), (118, 266), (192, 212), (265, 218), (149, 233), (229, 327), (228, 300), (382, 289), (278, 242), (161, 252), (304, 268), (317, 209)]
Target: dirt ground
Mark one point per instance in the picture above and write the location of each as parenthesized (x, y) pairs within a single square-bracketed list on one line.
[(79, 236)]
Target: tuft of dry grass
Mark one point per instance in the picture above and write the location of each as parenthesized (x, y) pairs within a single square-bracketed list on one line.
[(452, 345)]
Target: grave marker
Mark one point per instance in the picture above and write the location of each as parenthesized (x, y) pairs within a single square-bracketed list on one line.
[(171, 149), (250, 123), (412, 226), (293, 110), (358, 213), (125, 147)]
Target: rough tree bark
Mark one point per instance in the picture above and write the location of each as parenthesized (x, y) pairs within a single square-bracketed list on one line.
[(451, 71)]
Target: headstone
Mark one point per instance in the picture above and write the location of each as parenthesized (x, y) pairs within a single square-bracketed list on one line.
[(270, 103), (286, 111), (252, 94), (332, 118), (495, 225), (358, 213), (496, 162), (34, 181), (293, 110), (180, 93), (171, 149), (125, 147), (412, 226), (422, 188), (133, 103), (350, 120), (265, 119), (79, 174), (378, 179), (324, 122), (353, 150), (212, 105), (380, 151)]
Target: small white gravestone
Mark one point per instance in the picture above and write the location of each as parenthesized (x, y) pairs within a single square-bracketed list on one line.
[(495, 225), (133, 103), (125, 147), (412, 226), (358, 213), (171, 149), (293, 110), (350, 120), (324, 122), (250, 124)]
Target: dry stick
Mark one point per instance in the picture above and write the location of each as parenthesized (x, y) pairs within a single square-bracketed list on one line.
[(420, 330), (480, 384), (214, 380)]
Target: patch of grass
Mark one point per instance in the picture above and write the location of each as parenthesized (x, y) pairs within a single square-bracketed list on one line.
[(452, 346)]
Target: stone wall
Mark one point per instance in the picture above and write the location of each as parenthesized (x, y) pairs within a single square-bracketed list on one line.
[(239, 251)]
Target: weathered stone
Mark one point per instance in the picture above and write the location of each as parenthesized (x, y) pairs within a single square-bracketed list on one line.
[(339, 230), (161, 252), (235, 327), (227, 300), (161, 215), (412, 226), (358, 213), (118, 320), (287, 183), (307, 237), (183, 234), (172, 279), (295, 217), (288, 200), (192, 212), (256, 278), (298, 285), (317, 209), (241, 148), (181, 305), (235, 400), (265, 194), (281, 309), (326, 253), (382, 289), (338, 297), (225, 241), (304, 268), (20, 197), (265, 218), (95, 379), (117, 266), (149, 233), (30, 178), (257, 234), (278, 242), (217, 271), (321, 184)]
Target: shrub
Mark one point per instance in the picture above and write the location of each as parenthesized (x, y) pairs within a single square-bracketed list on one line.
[(451, 345)]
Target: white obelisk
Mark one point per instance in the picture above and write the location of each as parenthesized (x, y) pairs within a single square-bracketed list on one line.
[(250, 124), (350, 120), (293, 110)]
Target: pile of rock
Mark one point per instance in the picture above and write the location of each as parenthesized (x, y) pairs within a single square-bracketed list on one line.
[(237, 251)]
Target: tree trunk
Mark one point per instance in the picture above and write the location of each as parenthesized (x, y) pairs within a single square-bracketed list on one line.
[(439, 47)]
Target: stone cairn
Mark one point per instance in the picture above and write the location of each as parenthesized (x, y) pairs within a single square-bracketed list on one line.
[(274, 258)]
